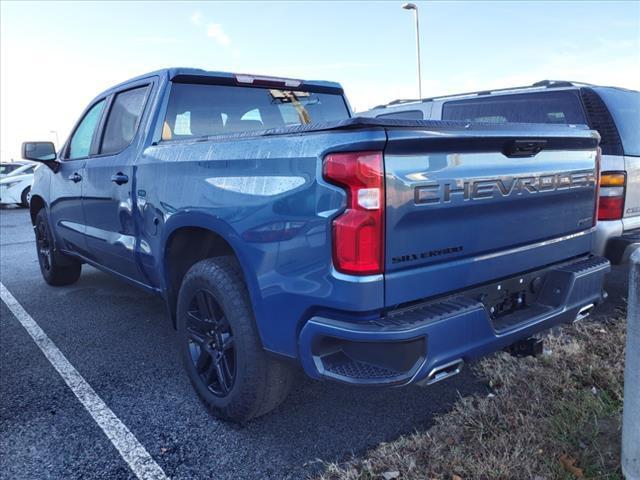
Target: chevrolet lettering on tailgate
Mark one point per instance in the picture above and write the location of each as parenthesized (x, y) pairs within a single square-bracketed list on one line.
[(478, 189)]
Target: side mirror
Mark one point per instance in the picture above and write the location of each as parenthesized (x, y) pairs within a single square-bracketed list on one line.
[(43, 152)]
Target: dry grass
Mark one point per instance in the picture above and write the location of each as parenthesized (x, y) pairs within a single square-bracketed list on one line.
[(566, 402)]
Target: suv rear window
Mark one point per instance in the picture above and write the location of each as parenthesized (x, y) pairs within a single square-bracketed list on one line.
[(560, 107), (405, 115), (197, 110), (624, 106)]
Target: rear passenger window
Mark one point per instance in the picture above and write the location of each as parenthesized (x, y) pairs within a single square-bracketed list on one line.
[(560, 107), (124, 116), (80, 144), (406, 115)]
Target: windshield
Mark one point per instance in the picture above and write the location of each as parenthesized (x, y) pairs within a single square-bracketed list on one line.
[(200, 110), (23, 170), (7, 168), (624, 106)]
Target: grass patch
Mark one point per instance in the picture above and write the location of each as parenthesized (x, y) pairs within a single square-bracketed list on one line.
[(557, 416)]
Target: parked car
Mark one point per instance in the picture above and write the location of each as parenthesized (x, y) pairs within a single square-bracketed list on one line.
[(8, 167), (613, 112), (281, 231), (16, 185)]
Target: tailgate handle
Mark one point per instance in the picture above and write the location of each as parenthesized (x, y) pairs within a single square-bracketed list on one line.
[(523, 148)]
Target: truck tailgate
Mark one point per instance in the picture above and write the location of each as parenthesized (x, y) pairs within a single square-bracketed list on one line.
[(468, 207)]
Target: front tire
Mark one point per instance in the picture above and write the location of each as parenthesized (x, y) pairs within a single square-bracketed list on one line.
[(24, 198), (220, 345), (56, 269)]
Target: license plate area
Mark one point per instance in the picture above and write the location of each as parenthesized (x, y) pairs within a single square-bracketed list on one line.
[(510, 295)]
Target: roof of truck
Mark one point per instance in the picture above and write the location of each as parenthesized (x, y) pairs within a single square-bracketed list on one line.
[(197, 73)]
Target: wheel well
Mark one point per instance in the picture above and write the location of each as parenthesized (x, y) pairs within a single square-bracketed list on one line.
[(185, 247), (35, 205)]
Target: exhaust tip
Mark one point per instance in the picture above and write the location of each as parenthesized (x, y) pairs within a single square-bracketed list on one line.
[(445, 371), (584, 312)]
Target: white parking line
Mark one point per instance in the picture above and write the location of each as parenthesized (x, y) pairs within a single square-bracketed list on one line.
[(131, 450)]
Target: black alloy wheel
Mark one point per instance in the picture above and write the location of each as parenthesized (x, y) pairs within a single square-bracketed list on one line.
[(56, 268), (211, 343), (43, 244), (220, 344)]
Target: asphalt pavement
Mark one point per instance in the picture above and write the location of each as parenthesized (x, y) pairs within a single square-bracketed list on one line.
[(122, 343)]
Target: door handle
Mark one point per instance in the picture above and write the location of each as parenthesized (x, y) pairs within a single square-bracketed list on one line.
[(75, 177), (120, 178)]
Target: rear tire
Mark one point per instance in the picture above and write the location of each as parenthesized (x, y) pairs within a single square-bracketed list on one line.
[(220, 345), (57, 269), (24, 198)]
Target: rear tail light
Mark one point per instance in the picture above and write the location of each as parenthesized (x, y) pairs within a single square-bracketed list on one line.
[(611, 198), (358, 233)]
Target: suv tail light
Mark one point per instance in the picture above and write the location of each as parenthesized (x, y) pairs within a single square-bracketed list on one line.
[(358, 233), (611, 201)]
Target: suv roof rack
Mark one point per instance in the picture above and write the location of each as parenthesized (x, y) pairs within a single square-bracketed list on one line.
[(560, 83), (539, 84), (400, 101)]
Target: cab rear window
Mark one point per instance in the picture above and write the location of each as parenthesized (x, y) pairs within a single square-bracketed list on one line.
[(561, 107), (197, 110)]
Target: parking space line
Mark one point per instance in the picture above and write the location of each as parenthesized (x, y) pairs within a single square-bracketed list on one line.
[(130, 449)]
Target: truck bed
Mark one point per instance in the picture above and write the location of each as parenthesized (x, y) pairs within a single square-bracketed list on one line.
[(271, 181), (507, 221)]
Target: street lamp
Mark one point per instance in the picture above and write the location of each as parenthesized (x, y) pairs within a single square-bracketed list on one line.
[(57, 139), (412, 6)]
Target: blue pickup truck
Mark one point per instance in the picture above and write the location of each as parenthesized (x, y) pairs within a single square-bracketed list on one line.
[(282, 232)]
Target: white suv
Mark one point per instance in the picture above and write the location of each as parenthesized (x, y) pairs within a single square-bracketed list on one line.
[(613, 112)]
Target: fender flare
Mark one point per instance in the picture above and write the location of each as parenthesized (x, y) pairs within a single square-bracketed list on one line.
[(196, 218)]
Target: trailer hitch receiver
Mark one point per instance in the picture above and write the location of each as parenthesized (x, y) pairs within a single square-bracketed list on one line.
[(529, 347)]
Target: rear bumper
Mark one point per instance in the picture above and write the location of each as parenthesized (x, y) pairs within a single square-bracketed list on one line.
[(415, 344), (619, 249), (605, 231), (617, 239)]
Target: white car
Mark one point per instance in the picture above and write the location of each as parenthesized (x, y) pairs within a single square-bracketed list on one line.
[(7, 167), (15, 186)]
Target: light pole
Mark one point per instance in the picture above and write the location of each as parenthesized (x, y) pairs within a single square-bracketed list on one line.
[(57, 139), (412, 6)]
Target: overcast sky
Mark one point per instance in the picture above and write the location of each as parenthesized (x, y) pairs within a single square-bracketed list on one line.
[(56, 56)]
